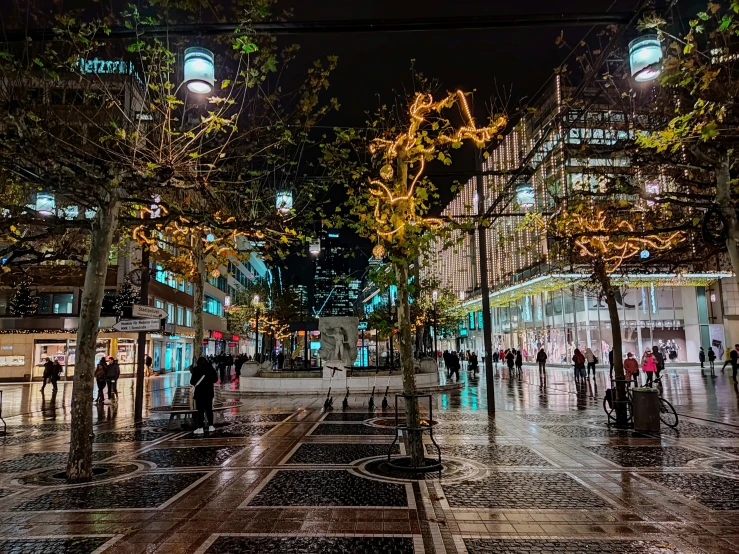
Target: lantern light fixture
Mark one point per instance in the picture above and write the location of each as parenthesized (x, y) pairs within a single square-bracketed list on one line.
[(315, 247), (284, 202), (255, 300), (435, 295), (199, 70), (645, 58), (644, 254)]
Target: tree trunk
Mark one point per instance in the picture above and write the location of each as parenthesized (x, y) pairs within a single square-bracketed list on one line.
[(79, 464), (726, 205), (412, 415), (198, 291), (618, 357)]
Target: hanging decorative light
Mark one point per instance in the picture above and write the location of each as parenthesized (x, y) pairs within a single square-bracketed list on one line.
[(284, 201), (645, 58), (45, 203), (315, 247), (378, 251), (199, 70), (525, 195)]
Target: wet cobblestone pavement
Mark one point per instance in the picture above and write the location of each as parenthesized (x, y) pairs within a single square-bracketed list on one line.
[(281, 476)]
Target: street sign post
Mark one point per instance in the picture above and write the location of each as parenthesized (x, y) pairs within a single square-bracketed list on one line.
[(135, 325), (137, 310)]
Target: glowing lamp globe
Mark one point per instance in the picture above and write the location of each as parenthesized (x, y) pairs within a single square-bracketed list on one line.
[(645, 58), (284, 202), (378, 251), (315, 248), (199, 70), (644, 254)]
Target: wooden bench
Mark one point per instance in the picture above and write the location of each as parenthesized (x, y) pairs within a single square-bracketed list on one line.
[(179, 411)]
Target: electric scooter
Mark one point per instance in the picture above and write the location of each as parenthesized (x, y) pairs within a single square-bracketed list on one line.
[(328, 404)]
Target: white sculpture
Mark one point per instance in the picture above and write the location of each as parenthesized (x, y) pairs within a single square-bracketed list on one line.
[(338, 340)]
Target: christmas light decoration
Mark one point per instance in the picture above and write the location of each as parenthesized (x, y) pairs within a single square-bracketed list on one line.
[(396, 204), (378, 251), (597, 238)]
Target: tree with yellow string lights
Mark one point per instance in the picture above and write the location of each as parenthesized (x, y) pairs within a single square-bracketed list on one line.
[(390, 197), (605, 236)]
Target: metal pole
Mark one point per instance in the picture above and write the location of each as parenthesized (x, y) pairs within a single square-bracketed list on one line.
[(483, 257), (436, 332), (141, 343), (256, 341)]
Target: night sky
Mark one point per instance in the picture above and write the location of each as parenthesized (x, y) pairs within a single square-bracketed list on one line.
[(506, 65)]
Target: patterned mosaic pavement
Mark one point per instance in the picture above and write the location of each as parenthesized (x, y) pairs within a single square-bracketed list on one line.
[(545, 476)]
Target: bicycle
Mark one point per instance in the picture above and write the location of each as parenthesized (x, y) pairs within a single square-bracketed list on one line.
[(667, 413)]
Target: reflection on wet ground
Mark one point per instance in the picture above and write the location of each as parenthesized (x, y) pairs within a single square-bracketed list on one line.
[(546, 475)]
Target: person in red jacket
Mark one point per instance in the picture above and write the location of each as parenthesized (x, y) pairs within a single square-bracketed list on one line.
[(631, 368)]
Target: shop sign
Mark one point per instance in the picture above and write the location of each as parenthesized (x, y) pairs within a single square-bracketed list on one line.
[(233, 344), (235, 338), (205, 342), (216, 335)]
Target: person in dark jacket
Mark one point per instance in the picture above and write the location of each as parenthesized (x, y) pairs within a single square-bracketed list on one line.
[(204, 376), (281, 360), (541, 357), (112, 373), (48, 368), (519, 362), (496, 359), (610, 361), (510, 359), (734, 358), (56, 372), (711, 359), (100, 381), (659, 359), (472, 361)]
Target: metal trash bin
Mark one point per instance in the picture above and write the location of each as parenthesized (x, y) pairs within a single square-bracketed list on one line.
[(646, 410)]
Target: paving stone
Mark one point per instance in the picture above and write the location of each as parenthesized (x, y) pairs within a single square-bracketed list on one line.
[(469, 428), (347, 416), (527, 490), (236, 430), (734, 450), (328, 488), (42, 427), (350, 429), (691, 430), (714, 491), (257, 418), (37, 460), (491, 454), (577, 432), (143, 435), (516, 546), (54, 476), (148, 491), (6, 492), (23, 437), (460, 416), (573, 417), (647, 456), (189, 456), (316, 453), (312, 545), (71, 545)]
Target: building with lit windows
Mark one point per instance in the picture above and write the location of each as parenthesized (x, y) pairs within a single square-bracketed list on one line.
[(336, 284), (538, 301)]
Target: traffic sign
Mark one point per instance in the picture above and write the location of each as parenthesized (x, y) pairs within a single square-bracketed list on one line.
[(138, 310), (128, 325)]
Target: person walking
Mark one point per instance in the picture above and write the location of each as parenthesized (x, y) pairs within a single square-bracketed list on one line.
[(711, 360), (229, 365), (610, 362), (472, 361), (112, 373), (100, 382), (238, 362), (56, 373), (454, 366), (519, 362), (631, 369), (727, 361), (659, 361), (147, 362), (702, 357), (496, 359), (649, 365), (579, 360), (734, 358), (510, 358), (591, 360), (48, 368), (541, 358), (202, 380), (280, 360)]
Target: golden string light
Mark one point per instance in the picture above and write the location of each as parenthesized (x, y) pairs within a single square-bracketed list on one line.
[(396, 204), (615, 251)]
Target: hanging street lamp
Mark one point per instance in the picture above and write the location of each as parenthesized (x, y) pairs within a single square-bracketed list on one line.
[(645, 58), (284, 202), (199, 70)]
